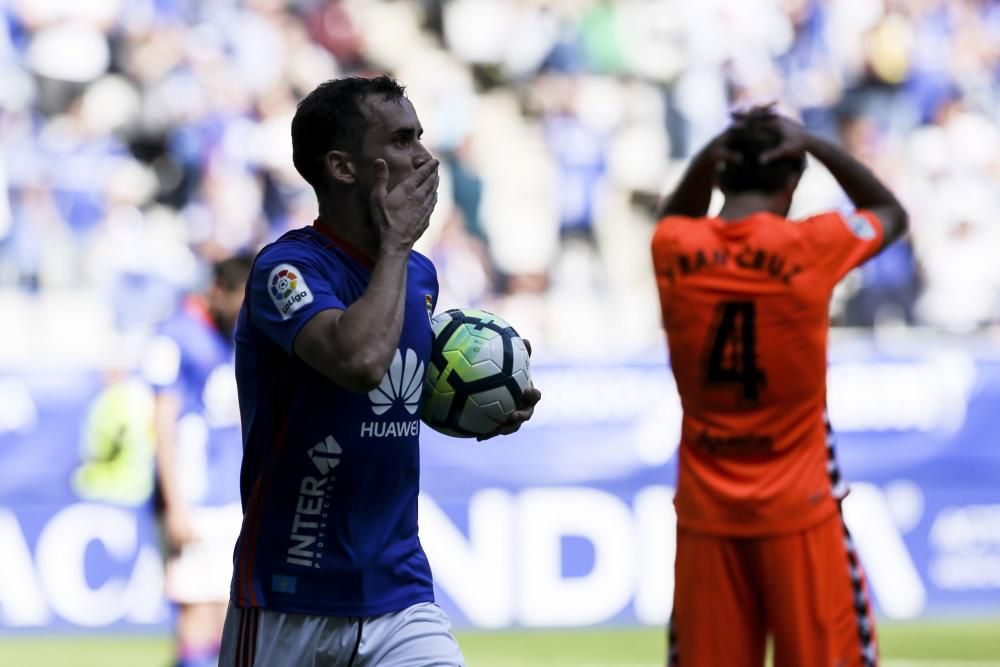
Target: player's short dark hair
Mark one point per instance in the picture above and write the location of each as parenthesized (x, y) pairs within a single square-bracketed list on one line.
[(755, 135), (231, 273), (330, 117)]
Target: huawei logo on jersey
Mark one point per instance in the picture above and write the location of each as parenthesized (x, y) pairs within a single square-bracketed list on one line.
[(402, 382)]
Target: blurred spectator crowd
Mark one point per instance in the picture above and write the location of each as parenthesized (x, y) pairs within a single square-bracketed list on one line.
[(143, 139)]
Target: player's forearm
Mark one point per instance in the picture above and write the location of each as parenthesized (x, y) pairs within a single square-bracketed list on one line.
[(862, 186), (167, 481), (368, 332), (166, 468), (693, 193)]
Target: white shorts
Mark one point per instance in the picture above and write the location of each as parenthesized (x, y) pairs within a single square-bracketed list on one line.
[(418, 636), (203, 570)]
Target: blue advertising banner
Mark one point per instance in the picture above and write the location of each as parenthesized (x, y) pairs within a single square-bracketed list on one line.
[(568, 523)]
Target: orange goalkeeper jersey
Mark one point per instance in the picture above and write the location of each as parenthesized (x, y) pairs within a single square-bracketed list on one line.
[(746, 311)]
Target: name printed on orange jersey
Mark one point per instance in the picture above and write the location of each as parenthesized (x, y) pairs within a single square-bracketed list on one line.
[(744, 444), (747, 257)]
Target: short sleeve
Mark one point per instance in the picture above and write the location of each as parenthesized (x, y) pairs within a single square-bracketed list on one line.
[(840, 241), (287, 288), (161, 363)]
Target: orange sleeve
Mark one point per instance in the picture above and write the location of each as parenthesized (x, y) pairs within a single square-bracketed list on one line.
[(840, 241)]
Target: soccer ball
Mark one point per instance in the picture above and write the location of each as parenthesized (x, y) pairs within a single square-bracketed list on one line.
[(477, 374)]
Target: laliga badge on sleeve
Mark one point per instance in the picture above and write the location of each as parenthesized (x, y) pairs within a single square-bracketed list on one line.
[(288, 290), (859, 225)]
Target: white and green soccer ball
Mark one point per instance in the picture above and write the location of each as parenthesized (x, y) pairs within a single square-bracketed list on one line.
[(477, 373)]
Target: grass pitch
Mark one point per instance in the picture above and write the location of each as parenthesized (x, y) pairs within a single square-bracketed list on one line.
[(943, 644)]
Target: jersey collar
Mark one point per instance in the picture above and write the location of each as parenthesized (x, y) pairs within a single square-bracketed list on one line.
[(339, 242)]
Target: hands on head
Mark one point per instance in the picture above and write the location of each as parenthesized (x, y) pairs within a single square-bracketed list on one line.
[(518, 417), (792, 144)]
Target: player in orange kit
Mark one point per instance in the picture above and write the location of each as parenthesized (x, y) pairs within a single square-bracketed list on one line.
[(761, 545)]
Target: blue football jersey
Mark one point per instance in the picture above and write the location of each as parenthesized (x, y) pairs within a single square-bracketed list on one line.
[(193, 359), (330, 476)]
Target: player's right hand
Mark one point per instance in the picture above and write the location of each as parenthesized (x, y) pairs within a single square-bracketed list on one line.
[(180, 530), (403, 214), (794, 140)]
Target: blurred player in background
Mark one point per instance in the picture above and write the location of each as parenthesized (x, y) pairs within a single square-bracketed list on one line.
[(198, 453), (761, 546), (329, 568)]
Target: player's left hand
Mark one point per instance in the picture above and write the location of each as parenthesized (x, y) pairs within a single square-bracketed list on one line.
[(794, 140), (519, 416)]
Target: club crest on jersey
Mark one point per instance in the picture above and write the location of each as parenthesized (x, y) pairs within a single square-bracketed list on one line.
[(288, 290), (859, 225)]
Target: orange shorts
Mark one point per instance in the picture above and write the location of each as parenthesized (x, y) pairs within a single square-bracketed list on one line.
[(805, 589)]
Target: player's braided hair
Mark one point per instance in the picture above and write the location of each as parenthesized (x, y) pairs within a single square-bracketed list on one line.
[(753, 135), (330, 117)]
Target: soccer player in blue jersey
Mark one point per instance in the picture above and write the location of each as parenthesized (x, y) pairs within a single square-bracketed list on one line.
[(198, 452), (329, 569)]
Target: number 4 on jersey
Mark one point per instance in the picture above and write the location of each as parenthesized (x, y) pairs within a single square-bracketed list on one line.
[(732, 358)]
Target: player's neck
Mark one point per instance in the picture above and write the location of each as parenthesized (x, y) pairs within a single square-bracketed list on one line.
[(351, 222), (745, 204)]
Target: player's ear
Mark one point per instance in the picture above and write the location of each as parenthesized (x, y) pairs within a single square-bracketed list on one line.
[(341, 167)]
